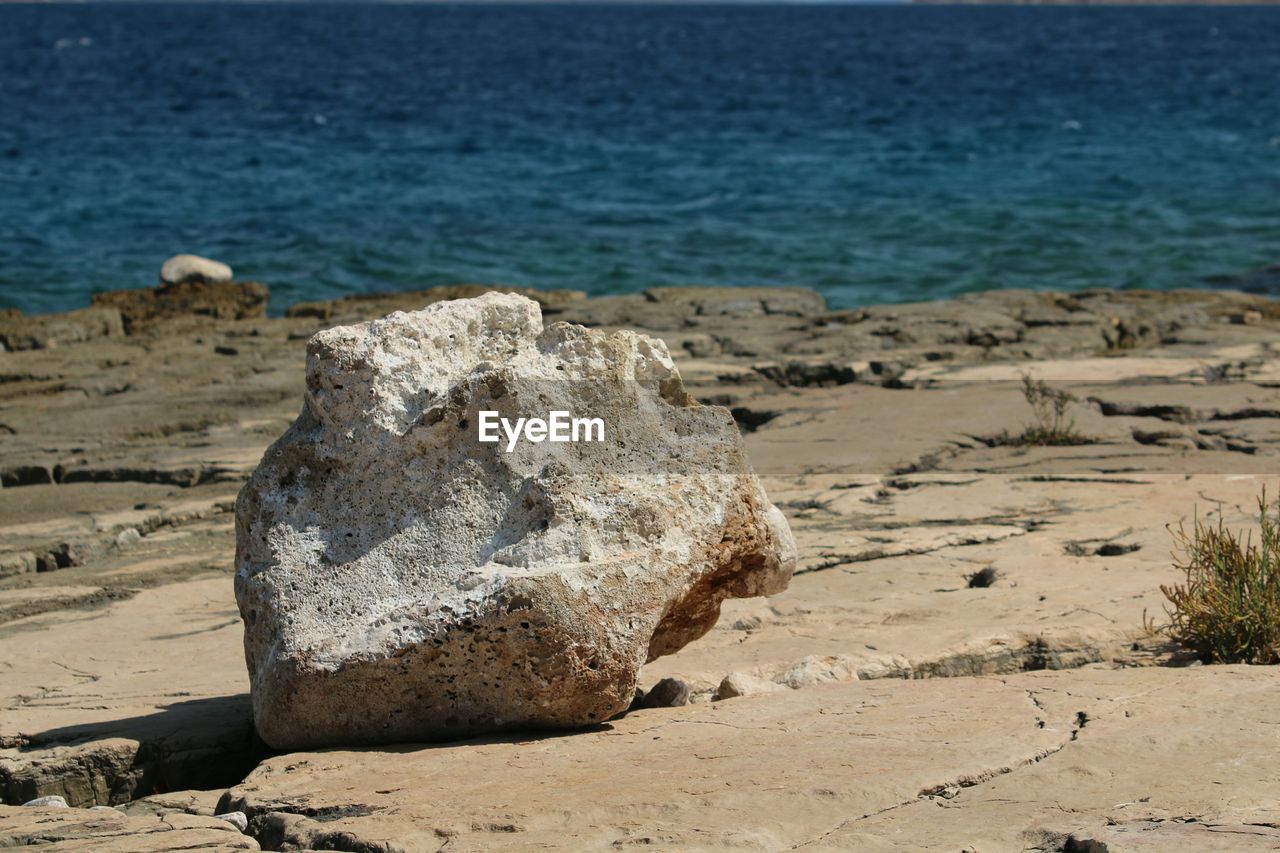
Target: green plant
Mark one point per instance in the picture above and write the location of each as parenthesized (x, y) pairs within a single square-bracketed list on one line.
[(1052, 426), (1227, 609)]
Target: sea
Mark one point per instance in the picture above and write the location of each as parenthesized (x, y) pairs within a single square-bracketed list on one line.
[(877, 153)]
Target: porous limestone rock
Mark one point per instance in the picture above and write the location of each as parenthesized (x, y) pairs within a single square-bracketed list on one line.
[(46, 331), (400, 580), (193, 269), (737, 684), (149, 308)]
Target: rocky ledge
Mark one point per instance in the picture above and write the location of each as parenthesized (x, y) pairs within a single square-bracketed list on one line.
[(963, 633)]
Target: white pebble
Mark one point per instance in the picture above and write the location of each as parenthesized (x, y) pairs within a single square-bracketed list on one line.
[(128, 537)]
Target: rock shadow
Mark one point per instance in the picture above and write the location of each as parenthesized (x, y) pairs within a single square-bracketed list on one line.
[(200, 743)]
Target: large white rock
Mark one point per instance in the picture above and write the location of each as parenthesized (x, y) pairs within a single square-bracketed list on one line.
[(400, 580), (193, 269)]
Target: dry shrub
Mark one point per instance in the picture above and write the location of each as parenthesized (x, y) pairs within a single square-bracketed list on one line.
[(1053, 426), (1227, 609)]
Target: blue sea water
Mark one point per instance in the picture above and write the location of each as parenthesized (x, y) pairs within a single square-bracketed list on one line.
[(873, 152)]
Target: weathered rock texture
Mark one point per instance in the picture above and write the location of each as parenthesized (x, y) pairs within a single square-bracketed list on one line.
[(19, 332), (142, 309), (400, 580), (109, 831)]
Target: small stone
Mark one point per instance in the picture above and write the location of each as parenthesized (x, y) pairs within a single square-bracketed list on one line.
[(103, 809), (983, 578), (237, 819), (667, 693), (818, 669), (737, 684), (50, 802), (193, 269), (127, 538), (893, 666), (1251, 317)]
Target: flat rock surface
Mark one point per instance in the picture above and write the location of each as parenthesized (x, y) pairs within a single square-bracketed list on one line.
[(1008, 583), (1160, 760), (108, 701), (697, 776), (109, 831), (943, 764)]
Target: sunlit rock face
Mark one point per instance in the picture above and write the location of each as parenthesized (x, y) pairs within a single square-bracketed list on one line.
[(400, 579)]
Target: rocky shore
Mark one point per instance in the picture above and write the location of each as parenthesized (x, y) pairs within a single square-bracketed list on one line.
[(959, 662)]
